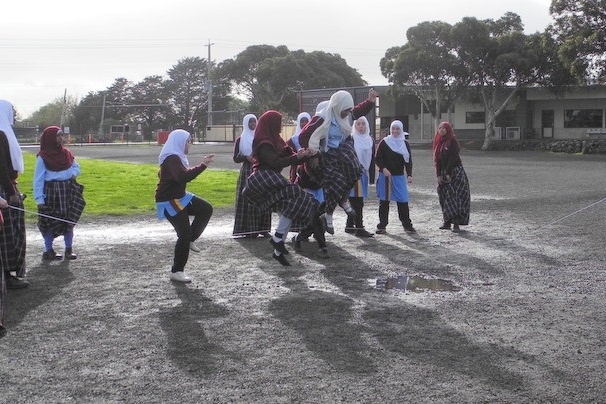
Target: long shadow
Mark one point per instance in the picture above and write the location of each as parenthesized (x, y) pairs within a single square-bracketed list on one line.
[(188, 345), (47, 280)]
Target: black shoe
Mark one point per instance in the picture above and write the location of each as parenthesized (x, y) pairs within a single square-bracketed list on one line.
[(409, 229), (445, 226), (350, 230), (51, 255), (281, 259), (363, 233), (279, 246), (2, 330), (12, 282), (381, 231), (296, 243), (456, 229), (323, 253), (69, 254)]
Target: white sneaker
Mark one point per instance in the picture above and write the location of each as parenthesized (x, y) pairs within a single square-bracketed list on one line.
[(194, 247), (179, 277)]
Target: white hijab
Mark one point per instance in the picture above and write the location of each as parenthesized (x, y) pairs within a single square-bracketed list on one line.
[(398, 144), (299, 128), (7, 120), (339, 102), (363, 143), (247, 136), (321, 109), (175, 145)]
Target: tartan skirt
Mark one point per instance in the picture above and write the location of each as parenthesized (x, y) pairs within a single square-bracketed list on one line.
[(248, 218), (269, 190), (64, 200), (455, 197), (12, 238), (341, 169)]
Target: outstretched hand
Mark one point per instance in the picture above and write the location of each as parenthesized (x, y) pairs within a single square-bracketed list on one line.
[(206, 160), (372, 95)]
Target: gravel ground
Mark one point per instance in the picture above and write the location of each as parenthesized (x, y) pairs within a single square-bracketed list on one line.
[(523, 321)]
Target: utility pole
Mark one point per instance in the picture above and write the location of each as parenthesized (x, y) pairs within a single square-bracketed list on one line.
[(209, 87), (102, 115)]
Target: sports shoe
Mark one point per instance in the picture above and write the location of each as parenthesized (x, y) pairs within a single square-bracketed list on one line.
[(179, 277), (69, 254), (296, 243), (279, 246), (51, 255), (194, 247), (350, 230), (327, 229), (363, 233), (323, 253), (13, 282), (381, 231), (281, 259)]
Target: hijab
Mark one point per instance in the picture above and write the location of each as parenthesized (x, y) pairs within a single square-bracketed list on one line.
[(299, 128), (321, 108), (398, 143), (246, 138), (443, 143), (7, 119), (55, 156), (175, 145), (363, 143), (339, 102), (268, 131)]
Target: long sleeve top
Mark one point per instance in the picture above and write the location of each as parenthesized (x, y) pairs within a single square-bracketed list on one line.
[(42, 174), (394, 162), (449, 159), (269, 159), (238, 157), (174, 177)]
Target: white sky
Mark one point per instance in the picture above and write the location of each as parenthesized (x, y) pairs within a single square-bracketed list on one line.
[(48, 47)]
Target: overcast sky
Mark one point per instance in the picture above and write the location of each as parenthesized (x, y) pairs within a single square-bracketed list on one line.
[(79, 46)]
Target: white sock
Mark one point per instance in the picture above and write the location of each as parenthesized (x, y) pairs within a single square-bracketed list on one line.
[(328, 220), (346, 206)]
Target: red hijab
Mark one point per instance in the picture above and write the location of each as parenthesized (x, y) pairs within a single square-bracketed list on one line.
[(441, 143), (268, 131), (55, 156)]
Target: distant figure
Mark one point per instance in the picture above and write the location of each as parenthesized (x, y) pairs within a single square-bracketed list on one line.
[(175, 204), (57, 193), (453, 185), (12, 236), (250, 222)]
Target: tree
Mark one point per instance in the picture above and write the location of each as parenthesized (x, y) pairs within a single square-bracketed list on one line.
[(149, 105), (426, 67), (497, 60), (53, 112), (272, 76), (579, 29)]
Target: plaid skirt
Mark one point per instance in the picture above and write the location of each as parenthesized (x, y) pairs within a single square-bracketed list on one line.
[(63, 200), (455, 197), (248, 218), (268, 190), (341, 169), (12, 239)]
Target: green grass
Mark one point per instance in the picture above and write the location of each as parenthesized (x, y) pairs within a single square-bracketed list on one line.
[(114, 188)]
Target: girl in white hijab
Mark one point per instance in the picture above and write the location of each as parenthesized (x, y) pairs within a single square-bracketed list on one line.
[(7, 120), (364, 145), (395, 170), (249, 221)]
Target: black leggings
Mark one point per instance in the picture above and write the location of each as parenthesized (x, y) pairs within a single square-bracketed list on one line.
[(186, 232)]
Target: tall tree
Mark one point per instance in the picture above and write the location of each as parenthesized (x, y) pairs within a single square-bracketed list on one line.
[(149, 105), (498, 59), (579, 27), (51, 113), (426, 67)]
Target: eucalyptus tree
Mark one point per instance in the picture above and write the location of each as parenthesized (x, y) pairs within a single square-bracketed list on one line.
[(426, 67), (149, 104), (497, 60), (579, 28)]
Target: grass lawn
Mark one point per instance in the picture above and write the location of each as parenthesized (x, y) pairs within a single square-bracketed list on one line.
[(114, 188)]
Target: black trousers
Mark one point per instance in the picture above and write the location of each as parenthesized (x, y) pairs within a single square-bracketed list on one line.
[(403, 214), (201, 210), (316, 228), (357, 204)]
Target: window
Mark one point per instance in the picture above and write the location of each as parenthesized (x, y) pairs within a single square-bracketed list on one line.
[(475, 117), (583, 118), (506, 118)]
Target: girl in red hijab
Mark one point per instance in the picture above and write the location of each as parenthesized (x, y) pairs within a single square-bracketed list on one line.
[(57, 193), (453, 185)]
